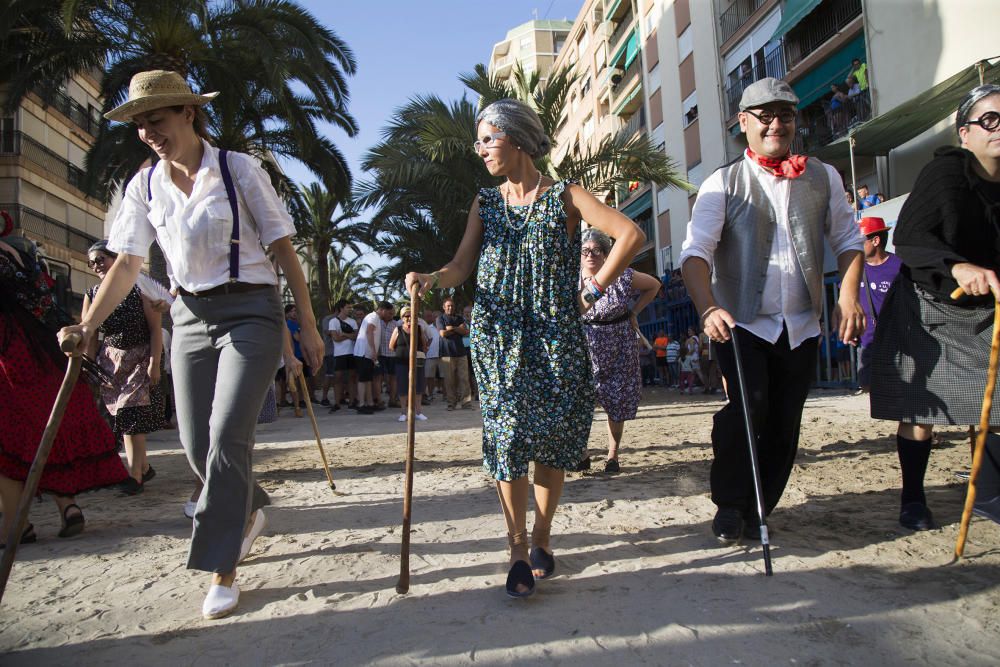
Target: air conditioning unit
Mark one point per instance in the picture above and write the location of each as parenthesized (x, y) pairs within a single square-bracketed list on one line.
[(616, 75)]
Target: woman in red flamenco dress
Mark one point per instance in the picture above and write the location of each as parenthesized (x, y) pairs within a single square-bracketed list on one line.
[(84, 455)]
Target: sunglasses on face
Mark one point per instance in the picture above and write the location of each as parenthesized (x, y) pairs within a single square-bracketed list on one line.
[(786, 116), (102, 260), (989, 121), (488, 141), (591, 252)]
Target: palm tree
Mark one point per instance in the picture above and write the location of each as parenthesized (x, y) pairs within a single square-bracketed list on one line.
[(320, 231), (279, 71), (424, 175)]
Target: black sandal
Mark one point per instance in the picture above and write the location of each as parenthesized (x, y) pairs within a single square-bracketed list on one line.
[(520, 572), (611, 466), (72, 525), (148, 475), (130, 487), (27, 537), (540, 558), (583, 465)]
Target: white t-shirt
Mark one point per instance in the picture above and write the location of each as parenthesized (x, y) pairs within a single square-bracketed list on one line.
[(361, 344), (434, 336), (346, 346)]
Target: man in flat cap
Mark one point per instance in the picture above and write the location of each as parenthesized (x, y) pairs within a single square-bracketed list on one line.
[(753, 259)]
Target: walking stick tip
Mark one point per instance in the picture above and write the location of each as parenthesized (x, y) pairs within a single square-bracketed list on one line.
[(402, 589)]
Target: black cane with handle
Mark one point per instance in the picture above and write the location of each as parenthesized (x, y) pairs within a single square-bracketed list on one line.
[(752, 445)]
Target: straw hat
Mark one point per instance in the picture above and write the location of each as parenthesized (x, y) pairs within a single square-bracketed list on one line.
[(154, 90)]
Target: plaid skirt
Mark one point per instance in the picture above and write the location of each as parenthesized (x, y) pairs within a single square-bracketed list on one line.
[(929, 359)]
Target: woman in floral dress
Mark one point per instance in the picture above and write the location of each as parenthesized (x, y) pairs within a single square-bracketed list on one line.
[(528, 346), (133, 345), (611, 328)]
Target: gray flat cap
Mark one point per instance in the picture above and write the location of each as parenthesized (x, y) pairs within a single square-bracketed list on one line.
[(767, 91)]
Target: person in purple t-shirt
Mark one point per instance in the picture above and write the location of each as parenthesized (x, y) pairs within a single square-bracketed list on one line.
[(881, 268)]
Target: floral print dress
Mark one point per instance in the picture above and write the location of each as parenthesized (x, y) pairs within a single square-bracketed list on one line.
[(614, 350), (528, 346)]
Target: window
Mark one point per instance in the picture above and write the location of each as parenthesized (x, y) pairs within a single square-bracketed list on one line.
[(653, 78), (585, 88), (689, 109), (526, 43), (588, 128), (528, 65), (653, 19), (602, 54), (584, 41), (662, 200), (572, 55), (7, 135), (560, 42), (684, 45), (574, 104)]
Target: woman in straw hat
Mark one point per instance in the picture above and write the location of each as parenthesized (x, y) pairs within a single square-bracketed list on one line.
[(213, 214)]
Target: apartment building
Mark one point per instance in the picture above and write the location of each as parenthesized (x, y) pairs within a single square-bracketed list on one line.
[(534, 45), (711, 50), (42, 149)]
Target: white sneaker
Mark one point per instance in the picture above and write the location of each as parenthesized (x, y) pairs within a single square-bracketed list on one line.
[(402, 418), (189, 508), (422, 417), (220, 601), (256, 529)]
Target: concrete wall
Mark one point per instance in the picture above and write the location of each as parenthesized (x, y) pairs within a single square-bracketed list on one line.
[(914, 44)]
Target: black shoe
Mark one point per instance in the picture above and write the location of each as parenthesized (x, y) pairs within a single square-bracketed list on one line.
[(727, 525), (146, 476), (325, 402), (916, 516), (988, 509), (544, 561), (130, 487), (376, 408), (520, 573), (583, 465), (365, 410), (611, 467), (72, 525), (334, 408)]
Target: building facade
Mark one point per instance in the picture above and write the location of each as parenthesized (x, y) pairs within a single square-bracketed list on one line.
[(534, 45), (43, 145)]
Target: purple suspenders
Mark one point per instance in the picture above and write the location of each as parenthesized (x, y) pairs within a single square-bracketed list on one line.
[(234, 236)]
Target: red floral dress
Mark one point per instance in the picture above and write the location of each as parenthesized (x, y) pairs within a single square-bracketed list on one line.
[(84, 455)]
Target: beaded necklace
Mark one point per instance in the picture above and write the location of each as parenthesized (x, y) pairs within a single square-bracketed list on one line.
[(531, 209)]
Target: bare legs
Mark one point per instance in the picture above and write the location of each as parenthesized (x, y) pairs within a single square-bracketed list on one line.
[(135, 452), (514, 503), (916, 431), (10, 497), (614, 437)]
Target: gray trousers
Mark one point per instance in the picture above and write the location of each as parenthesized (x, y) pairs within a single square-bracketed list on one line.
[(224, 355)]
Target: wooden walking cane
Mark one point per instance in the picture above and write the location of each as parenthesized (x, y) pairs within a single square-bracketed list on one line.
[(69, 345), (403, 585), (984, 429), (312, 417)]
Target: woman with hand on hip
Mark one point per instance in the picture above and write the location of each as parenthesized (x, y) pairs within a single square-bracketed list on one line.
[(212, 213), (611, 328), (528, 345)]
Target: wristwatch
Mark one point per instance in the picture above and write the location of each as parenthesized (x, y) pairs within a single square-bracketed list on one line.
[(589, 297)]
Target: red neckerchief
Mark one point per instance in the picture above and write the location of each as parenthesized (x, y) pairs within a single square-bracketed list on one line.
[(790, 166)]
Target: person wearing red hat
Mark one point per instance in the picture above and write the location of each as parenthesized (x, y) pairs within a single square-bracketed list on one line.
[(881, 268)]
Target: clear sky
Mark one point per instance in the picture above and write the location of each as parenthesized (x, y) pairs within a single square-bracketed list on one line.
[(409, 47)]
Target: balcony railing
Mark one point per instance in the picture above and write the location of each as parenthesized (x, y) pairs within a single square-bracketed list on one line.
[(773, 65), (623, 28), (20, 144), (816, 29), (637, 123), (76, 112), (819, 124), (48, 228), (738, 14)]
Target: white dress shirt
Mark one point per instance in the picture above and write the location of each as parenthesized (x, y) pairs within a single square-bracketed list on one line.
[(785, 301), (194, 231), (434, 336), (361, 347)]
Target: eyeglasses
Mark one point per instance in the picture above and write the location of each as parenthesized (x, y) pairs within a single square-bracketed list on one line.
[(101, 259), (487, 141), (989, 121), (786, 116), (591, 252)]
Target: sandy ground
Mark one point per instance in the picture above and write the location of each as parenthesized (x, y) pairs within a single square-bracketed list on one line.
[(640, 578)]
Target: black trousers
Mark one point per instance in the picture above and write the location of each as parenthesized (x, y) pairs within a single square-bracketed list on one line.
[(778, 380)]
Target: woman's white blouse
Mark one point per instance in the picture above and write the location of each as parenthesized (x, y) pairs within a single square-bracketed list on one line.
[(194, 231)]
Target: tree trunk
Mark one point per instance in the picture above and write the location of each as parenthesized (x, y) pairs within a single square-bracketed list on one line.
[(322, 265)]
